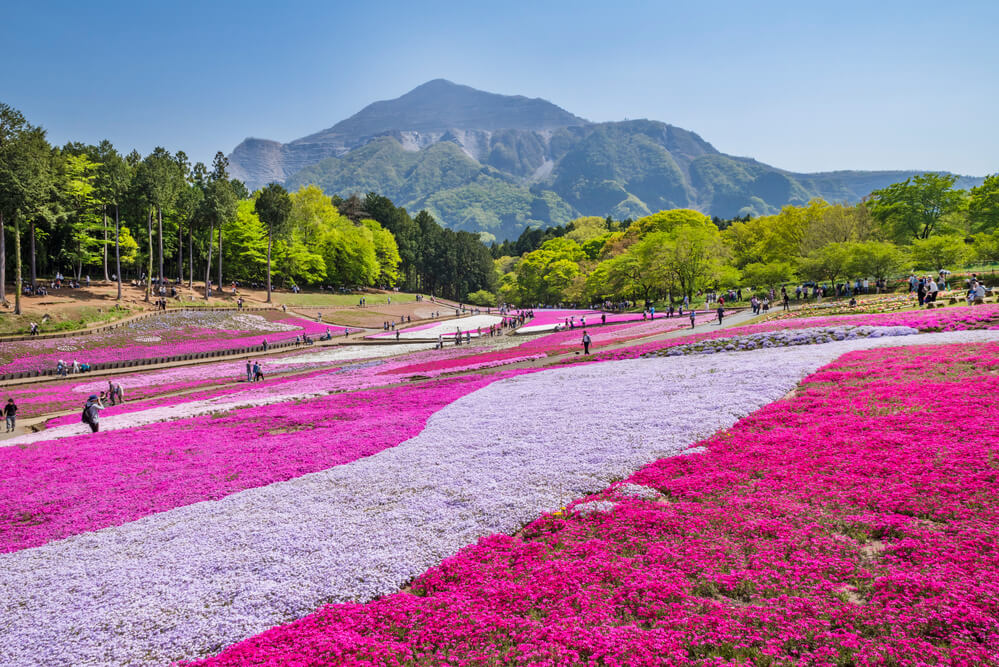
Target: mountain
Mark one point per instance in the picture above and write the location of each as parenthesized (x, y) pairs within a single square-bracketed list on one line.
[(492, 163)]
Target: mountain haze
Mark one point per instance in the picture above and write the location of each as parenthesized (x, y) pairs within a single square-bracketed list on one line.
[(492, 163)]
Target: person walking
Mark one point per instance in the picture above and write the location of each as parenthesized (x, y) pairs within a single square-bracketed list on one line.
[(586, 342), (787, 302), (692, 318), (721, 314), (92, 413), (258, 373), (34, 328), (10, 413), (249, 371)]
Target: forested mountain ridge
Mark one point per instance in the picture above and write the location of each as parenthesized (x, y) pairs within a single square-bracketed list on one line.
[(483, 162)]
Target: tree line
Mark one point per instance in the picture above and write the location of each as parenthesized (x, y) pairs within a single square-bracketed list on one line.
[(920, 225), (159, 219)]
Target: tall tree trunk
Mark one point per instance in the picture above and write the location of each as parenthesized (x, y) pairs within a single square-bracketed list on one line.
[(3, 262), (208, 262), (268, 263), (149, 276), (117, 252), (180, 253), (220, 258), (105, 210), (190, 254), (17, 266), (34, 277), (159, 211)]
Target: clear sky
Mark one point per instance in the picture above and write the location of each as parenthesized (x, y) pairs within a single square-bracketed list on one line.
[(800, 85)]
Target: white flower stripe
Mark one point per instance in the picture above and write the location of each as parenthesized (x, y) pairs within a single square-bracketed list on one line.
[(190, 581)]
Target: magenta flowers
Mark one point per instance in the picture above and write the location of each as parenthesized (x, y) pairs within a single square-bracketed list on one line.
[(854, 524)]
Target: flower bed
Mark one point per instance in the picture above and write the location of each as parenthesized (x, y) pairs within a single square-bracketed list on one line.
[(541, 346), (168, 335), (59, 488), (813, 336), (352, 377), (854, 524), (547, 320), (39, 399), (489, 462), (465, 363), (951, 319), (445, 329)]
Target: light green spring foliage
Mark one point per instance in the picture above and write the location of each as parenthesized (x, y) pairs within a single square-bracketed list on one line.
[(317, 245), (920, 225)]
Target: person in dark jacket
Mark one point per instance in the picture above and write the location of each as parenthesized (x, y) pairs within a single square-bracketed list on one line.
[(92, 413), (10, 412)]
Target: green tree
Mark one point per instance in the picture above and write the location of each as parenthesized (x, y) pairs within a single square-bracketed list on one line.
[(161, 178), (830, 262), (983, 205), (912, 209), (219, 207), (770, 274), (694, 255), (878, 259), (481, 298), (112, 183), (641, 268), (26, 179), (940, 252), (273, 207), (386, 251), (79, 191)]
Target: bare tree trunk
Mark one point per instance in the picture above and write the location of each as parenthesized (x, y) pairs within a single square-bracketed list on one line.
[(17, 266), (159, 211), (180, 253), (190, 254), (208, 262), (117, 251), (268, 264), (34, 277), (220, 258), (149, 276), (105, 210), (3, 262)]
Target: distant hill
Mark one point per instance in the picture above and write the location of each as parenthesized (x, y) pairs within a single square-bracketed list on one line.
[(492, 163)]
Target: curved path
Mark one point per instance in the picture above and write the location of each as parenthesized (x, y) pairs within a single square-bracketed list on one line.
[(189, 581)]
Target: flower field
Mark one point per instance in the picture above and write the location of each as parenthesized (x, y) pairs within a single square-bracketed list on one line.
[(168, 334), (877, 548), (950, 319), (815, 491), (445, 329)]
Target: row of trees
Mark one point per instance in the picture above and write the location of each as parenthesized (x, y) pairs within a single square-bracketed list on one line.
[(84, 208), (922, 224)]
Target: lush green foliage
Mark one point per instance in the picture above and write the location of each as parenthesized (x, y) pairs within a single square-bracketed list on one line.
[(678, 252)]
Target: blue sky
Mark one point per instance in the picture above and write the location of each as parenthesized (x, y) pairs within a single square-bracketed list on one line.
[(803, 86)]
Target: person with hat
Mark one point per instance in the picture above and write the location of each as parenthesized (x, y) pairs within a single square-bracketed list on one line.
[(91, 413)]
